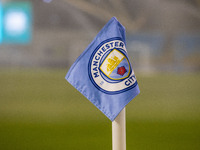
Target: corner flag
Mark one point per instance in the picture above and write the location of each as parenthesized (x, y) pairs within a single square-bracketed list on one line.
[(103, 73)]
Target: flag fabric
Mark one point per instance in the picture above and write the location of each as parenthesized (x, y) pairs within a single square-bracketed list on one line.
[(103, 73)]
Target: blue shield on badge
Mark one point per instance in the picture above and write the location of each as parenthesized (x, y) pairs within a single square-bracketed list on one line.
[(116, 65)]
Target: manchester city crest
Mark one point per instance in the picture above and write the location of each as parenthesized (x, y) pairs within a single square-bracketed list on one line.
[(109, 68)]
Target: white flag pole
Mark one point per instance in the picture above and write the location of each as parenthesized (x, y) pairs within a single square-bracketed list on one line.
[(119, 131)]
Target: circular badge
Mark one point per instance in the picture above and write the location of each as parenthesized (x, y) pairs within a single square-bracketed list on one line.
[(109, 68)]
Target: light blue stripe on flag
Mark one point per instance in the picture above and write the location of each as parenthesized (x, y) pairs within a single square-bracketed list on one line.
[(103, 73)]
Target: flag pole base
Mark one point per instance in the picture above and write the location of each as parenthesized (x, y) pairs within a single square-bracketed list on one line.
[(119, 131)]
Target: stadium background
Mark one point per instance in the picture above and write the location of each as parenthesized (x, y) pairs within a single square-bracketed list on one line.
[(40, 110)]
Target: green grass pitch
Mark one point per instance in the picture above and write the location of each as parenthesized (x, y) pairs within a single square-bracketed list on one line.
[(39, 110)]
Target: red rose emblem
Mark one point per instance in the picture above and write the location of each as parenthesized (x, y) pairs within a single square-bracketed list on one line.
[(121, 70)]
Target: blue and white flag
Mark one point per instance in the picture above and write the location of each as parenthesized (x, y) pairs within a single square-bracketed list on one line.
[(103, 73)]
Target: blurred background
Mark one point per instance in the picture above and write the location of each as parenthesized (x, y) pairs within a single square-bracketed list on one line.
[(40, 40)]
